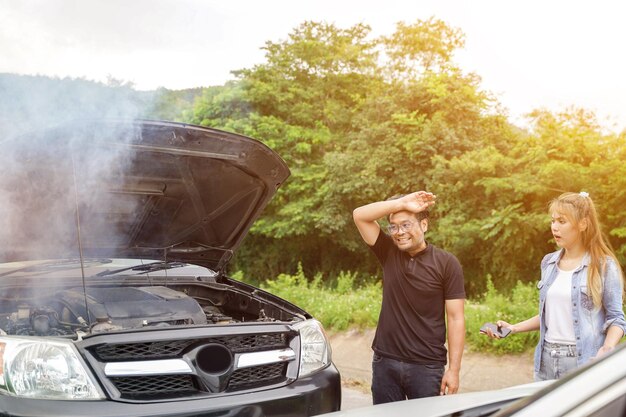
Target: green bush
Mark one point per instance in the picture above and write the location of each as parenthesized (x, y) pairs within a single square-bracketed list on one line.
[(338, 307), (344, 305), (520, 305)]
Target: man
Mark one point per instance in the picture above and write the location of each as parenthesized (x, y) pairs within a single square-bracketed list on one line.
[(420, 282)]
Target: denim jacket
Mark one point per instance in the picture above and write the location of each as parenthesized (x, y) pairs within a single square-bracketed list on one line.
[(590, 324)]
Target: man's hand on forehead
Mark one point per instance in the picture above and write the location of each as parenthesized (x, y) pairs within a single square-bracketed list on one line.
[(419, 201)]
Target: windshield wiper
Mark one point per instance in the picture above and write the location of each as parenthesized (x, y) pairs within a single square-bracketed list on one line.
[(142, 268)]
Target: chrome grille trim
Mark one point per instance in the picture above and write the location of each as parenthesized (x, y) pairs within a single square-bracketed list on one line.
[(158, 367), (247, 360), (179, 366)]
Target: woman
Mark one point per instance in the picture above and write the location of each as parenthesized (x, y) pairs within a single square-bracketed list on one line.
[(580, 292)]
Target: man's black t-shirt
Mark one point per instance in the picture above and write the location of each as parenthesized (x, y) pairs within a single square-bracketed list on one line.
[(411, 326)]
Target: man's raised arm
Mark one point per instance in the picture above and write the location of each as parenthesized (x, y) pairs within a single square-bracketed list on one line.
[(365, 216)]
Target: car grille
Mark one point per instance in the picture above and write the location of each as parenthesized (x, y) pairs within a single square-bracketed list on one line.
[(258, 375), (146, 387), (174, 349), (159, 387)]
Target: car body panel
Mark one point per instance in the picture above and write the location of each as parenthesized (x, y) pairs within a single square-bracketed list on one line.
[(306, 397), (583, 389), (143, 189), (443, 405)]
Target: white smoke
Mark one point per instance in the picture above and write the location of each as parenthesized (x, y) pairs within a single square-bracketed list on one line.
[(52, 162)]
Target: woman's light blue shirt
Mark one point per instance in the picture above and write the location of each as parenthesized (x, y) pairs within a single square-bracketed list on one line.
[(590, 323)]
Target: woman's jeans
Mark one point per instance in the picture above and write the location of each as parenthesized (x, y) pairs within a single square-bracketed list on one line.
[(557, 360), (394, 380)]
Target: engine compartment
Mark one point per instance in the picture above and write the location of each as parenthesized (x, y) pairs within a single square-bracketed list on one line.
[(70, 310)]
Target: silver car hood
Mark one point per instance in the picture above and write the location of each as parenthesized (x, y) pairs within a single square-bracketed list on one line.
[(134, 189), (443, 405)]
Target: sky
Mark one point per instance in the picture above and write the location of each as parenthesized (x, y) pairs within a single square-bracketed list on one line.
[(530, 54)]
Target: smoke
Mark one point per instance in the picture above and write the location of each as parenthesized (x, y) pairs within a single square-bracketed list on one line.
[(63, 156)]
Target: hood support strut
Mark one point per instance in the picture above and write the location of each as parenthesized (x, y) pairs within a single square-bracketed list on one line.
[(80, 243)]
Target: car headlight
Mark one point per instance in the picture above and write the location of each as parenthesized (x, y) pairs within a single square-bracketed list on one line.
[(39, 368), (314, 347)]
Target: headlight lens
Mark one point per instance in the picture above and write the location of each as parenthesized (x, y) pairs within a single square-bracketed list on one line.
[(40, 368), (315, 350)]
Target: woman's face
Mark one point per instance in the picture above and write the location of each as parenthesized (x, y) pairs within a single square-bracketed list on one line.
[(566, 234)]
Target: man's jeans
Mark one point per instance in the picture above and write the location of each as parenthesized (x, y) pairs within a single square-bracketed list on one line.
[(394, 380), (556, 361)]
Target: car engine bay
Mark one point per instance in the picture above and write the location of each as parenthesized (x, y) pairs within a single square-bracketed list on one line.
[(63, 312)]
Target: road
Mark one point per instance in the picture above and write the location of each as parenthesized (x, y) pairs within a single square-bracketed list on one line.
[(352, 354)]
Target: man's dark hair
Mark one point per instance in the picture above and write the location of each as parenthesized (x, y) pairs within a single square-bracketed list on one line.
[(419, 216)]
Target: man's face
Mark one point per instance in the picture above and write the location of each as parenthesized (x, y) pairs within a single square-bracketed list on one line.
[(407, 232)]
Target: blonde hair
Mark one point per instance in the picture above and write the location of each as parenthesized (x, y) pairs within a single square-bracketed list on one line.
[(577, 208)]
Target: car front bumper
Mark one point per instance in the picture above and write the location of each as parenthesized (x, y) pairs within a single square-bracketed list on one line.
[(316, 394)]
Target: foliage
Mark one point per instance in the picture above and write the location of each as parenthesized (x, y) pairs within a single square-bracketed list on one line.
[(346, 305), (352, 129), (499, 197), (172, 104), (359, 118), (522, 304), (338, 307), (415, 48), (30, 102)]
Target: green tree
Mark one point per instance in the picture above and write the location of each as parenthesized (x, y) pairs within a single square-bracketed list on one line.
[(495, 212), (300, 102), (359, 119)]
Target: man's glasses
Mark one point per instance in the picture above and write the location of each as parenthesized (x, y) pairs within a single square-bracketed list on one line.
[(394, 228)]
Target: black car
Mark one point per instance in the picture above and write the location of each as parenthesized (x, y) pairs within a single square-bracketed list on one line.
[(115, 238)]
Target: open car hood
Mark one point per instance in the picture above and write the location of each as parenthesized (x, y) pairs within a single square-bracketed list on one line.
[(139, 189)]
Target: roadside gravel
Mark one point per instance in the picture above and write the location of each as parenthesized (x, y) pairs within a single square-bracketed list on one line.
[(352, 354)]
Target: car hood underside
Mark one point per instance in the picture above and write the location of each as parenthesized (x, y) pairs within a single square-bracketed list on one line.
[(141, 189)]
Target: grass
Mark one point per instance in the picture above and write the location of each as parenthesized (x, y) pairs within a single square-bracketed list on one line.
[(338, 307), (517, 306), (345, 305)]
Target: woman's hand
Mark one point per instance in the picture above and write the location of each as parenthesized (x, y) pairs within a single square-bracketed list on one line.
[(603, 351), (501, 324)]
